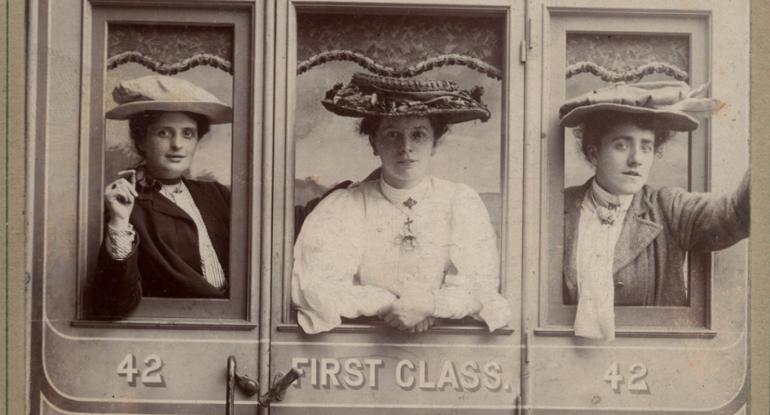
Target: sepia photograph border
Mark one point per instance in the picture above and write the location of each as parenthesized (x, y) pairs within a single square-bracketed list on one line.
[(15, 302)]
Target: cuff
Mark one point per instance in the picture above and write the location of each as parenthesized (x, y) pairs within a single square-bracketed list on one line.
[(495, 311), (120, 242), (454, 305)]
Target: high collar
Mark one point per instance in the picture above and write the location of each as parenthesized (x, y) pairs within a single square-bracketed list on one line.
[(398, 196), (146, 182), (606, 199), (573, 200)]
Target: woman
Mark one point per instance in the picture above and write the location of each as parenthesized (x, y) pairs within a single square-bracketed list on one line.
[(404, 246), (166, 236), (625, 243)]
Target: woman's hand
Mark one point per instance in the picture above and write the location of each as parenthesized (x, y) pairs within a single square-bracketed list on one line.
[(423, 325), (410, 311), (119, 199)]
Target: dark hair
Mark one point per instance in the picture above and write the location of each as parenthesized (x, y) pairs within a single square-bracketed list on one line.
[(138, 124), (597, 125), (369, 125)]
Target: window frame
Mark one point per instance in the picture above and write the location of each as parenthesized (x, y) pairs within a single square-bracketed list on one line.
[(237, 311), (555, 318), (512, 104)]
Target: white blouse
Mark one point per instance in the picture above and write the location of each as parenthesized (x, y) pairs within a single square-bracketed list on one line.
[(598, 233), (362, 247)]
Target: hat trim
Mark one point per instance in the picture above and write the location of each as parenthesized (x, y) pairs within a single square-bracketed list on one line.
[(450, 115), (674, 120), (217, 113)]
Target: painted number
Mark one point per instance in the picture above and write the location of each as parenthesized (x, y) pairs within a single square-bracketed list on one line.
[(613, 377), (636, 382), (127, 368), (150, 376)]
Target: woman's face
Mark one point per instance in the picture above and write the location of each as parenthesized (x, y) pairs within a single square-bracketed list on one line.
[(405, 146), (169, 145), (624, 158)]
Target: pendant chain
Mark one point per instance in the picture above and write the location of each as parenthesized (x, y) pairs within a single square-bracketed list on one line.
[(407, 239)]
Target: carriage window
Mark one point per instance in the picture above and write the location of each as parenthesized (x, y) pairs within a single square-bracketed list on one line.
[(168, 191), (332, 151), (590, 56)]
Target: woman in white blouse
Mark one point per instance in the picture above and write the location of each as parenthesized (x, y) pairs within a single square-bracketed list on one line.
[(405, 246)]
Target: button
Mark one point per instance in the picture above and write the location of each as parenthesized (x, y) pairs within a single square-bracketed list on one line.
[(620, 284)]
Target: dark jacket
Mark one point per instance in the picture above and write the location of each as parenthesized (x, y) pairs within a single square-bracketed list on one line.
[(165, 259), (660, 227)]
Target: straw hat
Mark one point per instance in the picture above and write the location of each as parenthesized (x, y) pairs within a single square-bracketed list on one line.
[(164, 93), (370, 95), (673, 103)]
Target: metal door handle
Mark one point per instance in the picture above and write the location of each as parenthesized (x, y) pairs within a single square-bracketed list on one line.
[(280, 384), (246, 384), (250, 386)]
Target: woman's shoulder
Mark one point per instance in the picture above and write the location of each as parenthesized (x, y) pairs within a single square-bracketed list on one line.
[(454, 189), (457, 194), (207, 185), (344, 199), (663, 194)]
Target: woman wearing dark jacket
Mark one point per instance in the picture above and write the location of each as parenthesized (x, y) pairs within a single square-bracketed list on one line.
[(165, 235), (624, 242)]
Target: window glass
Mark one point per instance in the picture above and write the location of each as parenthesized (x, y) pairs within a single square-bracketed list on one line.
[(185, 256), (596, 52), (329, 150)]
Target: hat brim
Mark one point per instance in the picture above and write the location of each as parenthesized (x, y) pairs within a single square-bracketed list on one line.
[(216, 113), (673, 120), (448, 115)]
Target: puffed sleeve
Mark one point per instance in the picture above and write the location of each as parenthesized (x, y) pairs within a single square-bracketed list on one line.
[(327, 255), (473, 289), (707, 222)]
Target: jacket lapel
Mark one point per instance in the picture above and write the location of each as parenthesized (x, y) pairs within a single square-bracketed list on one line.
[(637, 234), (161, 204), (204, 204), (572, 204)]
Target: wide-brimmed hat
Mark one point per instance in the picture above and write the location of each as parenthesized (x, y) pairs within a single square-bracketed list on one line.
[(672, 102), (164, 93), (370, 95)]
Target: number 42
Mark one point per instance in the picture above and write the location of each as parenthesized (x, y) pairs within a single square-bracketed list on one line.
[(150, 376), (636, 383)]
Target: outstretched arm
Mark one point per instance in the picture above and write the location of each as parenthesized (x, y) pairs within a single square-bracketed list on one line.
[(708, 222)]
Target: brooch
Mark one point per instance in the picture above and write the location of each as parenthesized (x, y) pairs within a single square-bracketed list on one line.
[(607, 215)]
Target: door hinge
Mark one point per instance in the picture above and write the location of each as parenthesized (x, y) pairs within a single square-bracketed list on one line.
[(525, 349), (528, 32), (526, 43)]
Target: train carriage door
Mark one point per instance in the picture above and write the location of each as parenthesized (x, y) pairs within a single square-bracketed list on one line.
[(689, 356), (169, 353), (362, 365)]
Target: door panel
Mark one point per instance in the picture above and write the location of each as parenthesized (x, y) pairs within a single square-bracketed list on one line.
[(363, 366), (661, 354)]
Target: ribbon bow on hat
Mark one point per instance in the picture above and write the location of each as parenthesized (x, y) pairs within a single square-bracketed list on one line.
[(673, 102)]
